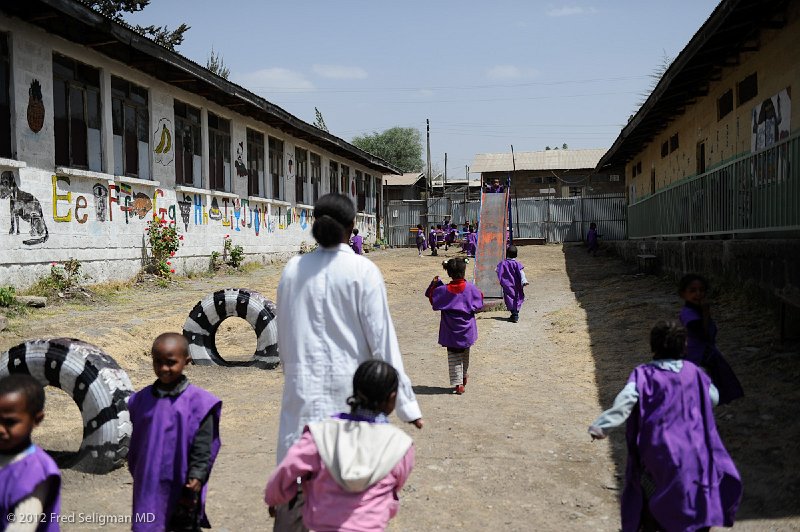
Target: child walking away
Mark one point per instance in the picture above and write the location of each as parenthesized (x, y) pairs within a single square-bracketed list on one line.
[(512, 280), (459, 301), (357, 243), (352, 466), (175, 433), (432, 242), (679, 475), (701, 341), (30, 482), (422, 243), (591, 239)]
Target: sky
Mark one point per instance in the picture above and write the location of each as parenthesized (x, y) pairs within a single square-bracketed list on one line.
[(525, 73)]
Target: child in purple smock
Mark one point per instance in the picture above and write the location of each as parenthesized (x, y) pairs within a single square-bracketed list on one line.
[(591, 239), (175, 432), (30, 482), (679, 477), (512, 279), (353, 465), (470, 244), (357, 243), (459, 301), (432, 242), (450, 236), (422, 243), (701, 337)]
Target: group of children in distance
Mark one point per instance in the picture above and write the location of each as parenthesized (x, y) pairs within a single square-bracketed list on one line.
[(446, 234), (679, 475)]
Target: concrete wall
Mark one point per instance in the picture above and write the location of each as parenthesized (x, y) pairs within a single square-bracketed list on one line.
[(99, 218), (777, 65), (763, 265)]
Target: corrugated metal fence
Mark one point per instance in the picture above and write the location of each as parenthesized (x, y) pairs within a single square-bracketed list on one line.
[(551, 219)]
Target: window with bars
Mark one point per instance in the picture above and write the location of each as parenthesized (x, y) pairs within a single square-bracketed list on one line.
[(301, 174), (345, 177), (368, 191), (5, 98), (76, 114), (219, 152), (361, 202), (316, 176), (333, 176), (188, 145), (130, 121), (255, 164), (276, 165)]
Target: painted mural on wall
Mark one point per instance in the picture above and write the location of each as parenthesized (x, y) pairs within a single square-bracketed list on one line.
[(35, 107), (289, 157), (771, 123), (241, 169), (25, 206), (163, 153)]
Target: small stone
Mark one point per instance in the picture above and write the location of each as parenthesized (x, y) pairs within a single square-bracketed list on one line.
[(3, 322), (32, 301)]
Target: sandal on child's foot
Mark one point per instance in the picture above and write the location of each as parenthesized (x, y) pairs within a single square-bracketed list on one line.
[(465, 379), (459, 389)]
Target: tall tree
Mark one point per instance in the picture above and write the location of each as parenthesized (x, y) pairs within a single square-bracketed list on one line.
[(161, 34), (216, 64), (400, 146), (319, 122)]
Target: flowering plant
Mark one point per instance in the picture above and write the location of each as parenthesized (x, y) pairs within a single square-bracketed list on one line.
[(164, 243)]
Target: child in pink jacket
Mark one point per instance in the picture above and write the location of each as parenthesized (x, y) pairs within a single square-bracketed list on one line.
[(352, 466)]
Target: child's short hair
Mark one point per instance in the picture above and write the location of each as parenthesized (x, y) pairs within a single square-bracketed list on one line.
[(455, 267), (511, 252), (28, 387), (355, 231), (373, 382), (419, 227), (688, 279), (173, 337), (333, 215), (668, 339), (592, 225)]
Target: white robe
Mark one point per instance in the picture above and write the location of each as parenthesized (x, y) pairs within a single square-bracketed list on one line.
[(332, 316)]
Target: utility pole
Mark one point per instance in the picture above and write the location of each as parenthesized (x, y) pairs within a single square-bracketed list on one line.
[(428, 180), (445, 169)]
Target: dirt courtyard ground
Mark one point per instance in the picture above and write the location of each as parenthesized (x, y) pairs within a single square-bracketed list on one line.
[(512, 454)]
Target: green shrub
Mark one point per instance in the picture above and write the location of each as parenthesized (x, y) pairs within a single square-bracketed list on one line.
[(7, 296), (164, 242), (234, 254)]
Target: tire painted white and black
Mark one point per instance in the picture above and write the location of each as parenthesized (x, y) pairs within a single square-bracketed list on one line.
[(205, 318), (95, 382)]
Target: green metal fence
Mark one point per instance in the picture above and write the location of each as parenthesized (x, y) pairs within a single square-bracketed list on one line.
[(758, 193)]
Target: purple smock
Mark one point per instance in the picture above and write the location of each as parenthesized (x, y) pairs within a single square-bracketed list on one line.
[(591, 239), (509, 273), (19, 479), (704, 353), (163, 431), (672, 436), (458, 301), (358, 244)]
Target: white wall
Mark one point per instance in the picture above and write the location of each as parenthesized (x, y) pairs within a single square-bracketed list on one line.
[(99, 218)]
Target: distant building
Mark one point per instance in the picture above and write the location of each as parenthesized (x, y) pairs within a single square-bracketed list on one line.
[(555, 173), (407, 186)]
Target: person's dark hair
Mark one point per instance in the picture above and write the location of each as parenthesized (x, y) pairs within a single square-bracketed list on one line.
[(511, 252), (688, 279), (438, 226), (28, 387), (456, 267), (373, 383), (453, 226), (419, 227), (355, 231), (333, 216), (667, 339), (168, 337), (592, 225)]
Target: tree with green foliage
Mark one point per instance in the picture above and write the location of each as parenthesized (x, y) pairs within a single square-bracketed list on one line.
[(319, 122), (400, 146), (114, 9), (216, 64)]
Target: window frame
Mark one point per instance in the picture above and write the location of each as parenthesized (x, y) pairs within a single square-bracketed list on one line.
[(275, 162), (315, 173), (725, 104), (256, 183), (333, 176), (300, 173), (186, 123), (344, 178), (6, 97), (76, 83), (219, 152), (747, 89), (141, 116)]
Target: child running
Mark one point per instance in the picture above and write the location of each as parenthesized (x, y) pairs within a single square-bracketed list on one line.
[(357, 243), (422, 243), (175, 433), (701, 341), (30, 482), (679, 475), (432, 242), (352, 466), (591, 239), (512, 279), (459, 301)]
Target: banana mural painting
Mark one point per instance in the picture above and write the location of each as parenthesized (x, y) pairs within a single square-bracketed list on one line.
[(162, 139)]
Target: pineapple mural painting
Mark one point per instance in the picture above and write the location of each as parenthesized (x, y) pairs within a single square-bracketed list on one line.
[(35, 107)]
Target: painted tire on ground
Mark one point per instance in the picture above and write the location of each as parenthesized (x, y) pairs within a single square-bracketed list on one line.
[(205, 318), (95, 382)]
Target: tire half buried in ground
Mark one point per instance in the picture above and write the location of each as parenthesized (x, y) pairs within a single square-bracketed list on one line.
[(205, 318), (95, 382)]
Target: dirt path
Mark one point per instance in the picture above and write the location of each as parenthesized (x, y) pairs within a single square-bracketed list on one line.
[(512, 453)]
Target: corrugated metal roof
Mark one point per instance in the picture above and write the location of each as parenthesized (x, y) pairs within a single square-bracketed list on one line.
[(537, 160), (407, 179)]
